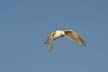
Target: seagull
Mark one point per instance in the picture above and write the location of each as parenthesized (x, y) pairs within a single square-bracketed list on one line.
[(70, 34)]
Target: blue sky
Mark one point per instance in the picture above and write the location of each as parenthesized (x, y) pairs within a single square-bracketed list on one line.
[(25, 25)]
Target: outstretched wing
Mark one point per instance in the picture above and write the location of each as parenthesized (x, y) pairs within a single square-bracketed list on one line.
[(74, 36), (50, 43)]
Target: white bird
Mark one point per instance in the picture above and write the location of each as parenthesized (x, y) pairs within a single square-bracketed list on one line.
[(64, 33)]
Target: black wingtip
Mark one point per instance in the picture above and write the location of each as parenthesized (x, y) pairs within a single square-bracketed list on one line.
[(85, 44)]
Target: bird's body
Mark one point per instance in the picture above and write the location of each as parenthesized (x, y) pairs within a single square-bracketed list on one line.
[(64, 33), (58, 34)]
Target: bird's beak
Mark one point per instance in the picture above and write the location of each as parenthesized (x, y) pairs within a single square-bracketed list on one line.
[(45, 42)]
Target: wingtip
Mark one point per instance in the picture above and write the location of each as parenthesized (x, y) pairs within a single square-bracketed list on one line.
[(84, 44), (50, 53)]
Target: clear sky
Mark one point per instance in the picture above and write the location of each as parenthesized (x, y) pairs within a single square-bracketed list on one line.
[(25, 25)]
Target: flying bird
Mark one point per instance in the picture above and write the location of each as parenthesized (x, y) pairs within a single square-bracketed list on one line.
[(64, 33)]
